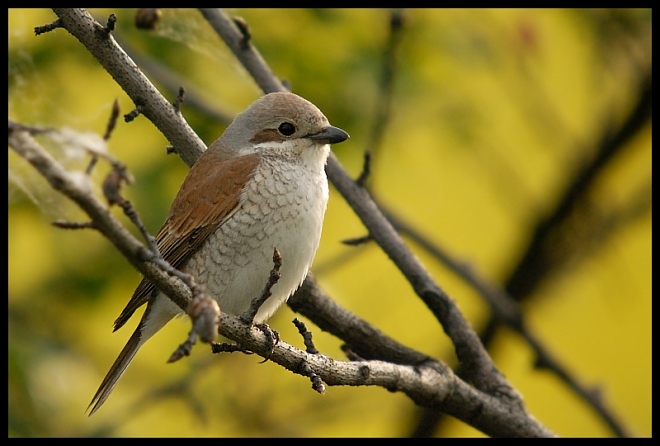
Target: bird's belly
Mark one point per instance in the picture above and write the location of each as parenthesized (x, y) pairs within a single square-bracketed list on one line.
[(234, 263)]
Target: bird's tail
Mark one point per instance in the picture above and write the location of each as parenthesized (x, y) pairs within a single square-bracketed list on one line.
[(116, 371), (160, 310)]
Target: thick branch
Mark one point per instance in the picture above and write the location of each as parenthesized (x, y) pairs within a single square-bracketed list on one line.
[(428, 384)]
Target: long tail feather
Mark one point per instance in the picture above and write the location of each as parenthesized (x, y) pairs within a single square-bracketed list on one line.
[(160, 310), (116, 371)]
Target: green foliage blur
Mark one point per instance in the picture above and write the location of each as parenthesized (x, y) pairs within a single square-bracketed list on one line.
[(491, 113)]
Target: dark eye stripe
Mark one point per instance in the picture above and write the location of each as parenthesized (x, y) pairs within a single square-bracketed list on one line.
[(267, 135)]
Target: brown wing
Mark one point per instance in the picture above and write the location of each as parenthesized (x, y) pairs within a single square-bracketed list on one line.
[(209, 194)]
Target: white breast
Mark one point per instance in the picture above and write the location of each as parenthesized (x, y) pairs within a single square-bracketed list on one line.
[(282, 207)]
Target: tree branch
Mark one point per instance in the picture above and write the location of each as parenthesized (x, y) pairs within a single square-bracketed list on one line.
[(427, 384)]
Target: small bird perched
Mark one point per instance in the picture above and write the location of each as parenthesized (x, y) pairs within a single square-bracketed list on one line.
[(260, 186)]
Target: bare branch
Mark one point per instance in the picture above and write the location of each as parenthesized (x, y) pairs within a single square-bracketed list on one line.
[(258, 301), (307, 336), (383, 109), (38, 30), (204, 312), (422, 383), (470, 351), (369, 342), (74, 224), (366, 169), (428, 384), (112, 122)]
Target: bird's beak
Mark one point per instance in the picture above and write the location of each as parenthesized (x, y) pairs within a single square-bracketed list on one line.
[(330, 135)]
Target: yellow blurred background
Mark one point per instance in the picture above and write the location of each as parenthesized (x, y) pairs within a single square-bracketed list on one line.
[(492, 113)]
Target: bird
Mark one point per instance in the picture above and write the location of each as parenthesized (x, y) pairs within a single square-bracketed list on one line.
[(260, 186)]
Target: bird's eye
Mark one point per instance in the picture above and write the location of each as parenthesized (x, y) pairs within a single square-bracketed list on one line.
[(286, 129)]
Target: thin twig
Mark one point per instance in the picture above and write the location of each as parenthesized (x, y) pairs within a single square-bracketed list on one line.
[(307, 336), (273, 278), (38, 30)]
